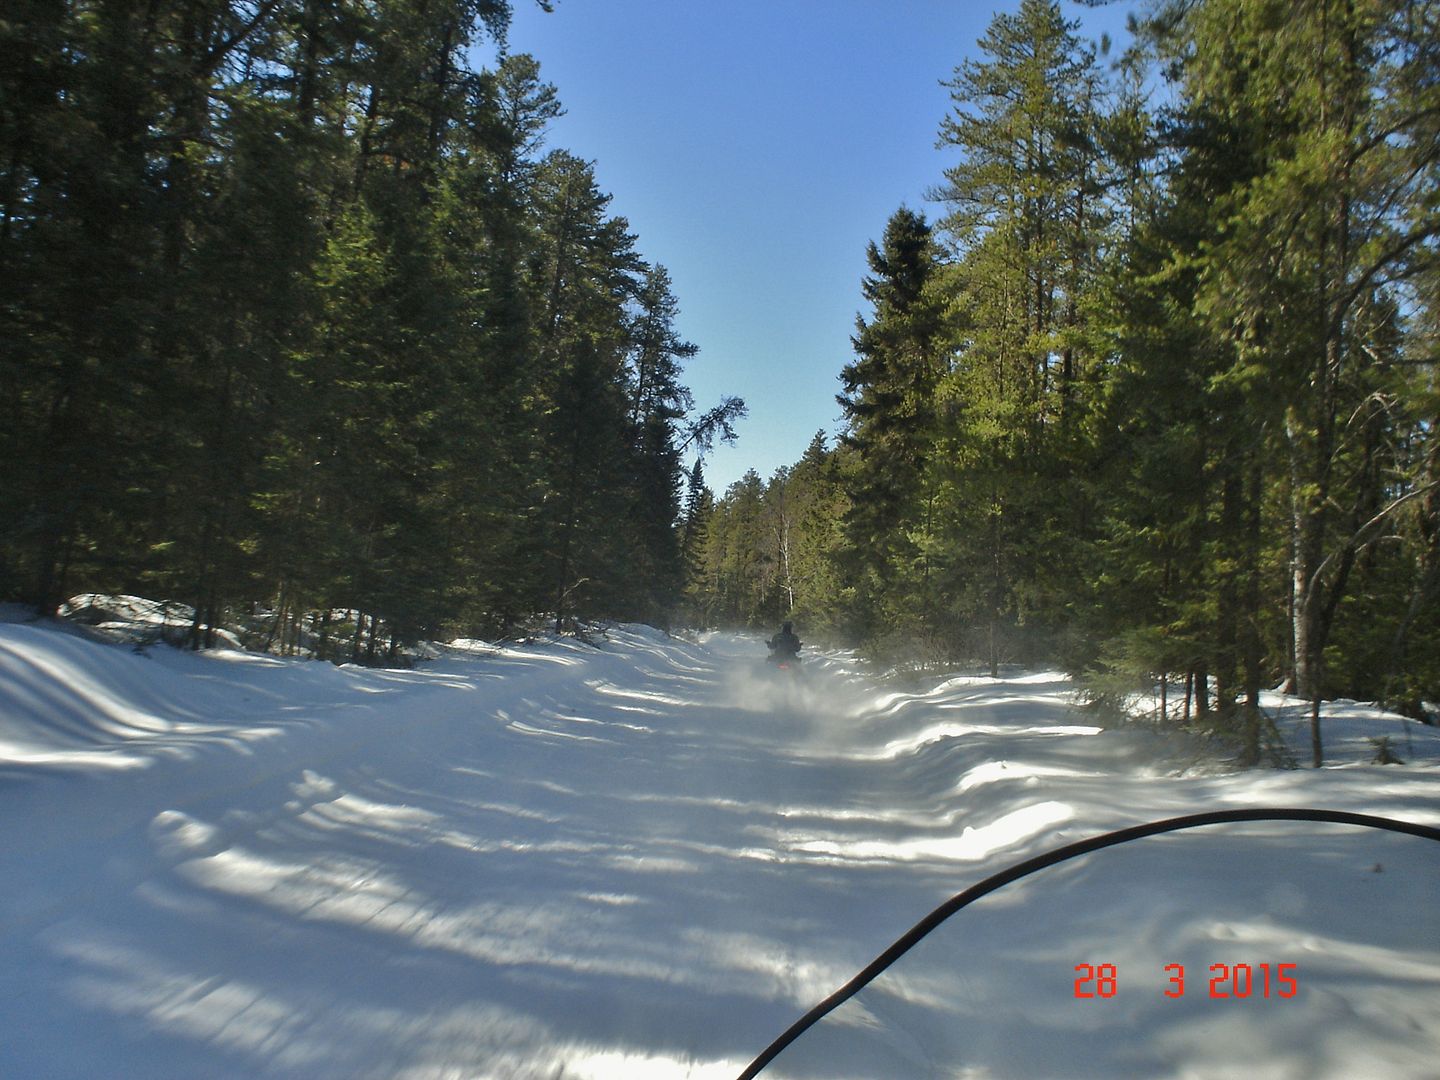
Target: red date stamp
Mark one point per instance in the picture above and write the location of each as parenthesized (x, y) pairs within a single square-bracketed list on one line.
[(1225, 980)]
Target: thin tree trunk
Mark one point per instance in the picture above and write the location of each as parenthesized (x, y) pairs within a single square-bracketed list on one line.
[(782, 535), (1306, 524), (367, 131), (1250, 644)]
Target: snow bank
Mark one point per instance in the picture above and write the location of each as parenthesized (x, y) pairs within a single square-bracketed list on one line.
[(1351, 731)]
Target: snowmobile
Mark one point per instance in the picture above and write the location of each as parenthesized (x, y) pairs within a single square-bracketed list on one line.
[(783, 660), (1031, 1007), (784, 650)]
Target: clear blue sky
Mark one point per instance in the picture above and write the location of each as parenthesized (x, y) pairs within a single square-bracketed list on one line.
[(756, 146)]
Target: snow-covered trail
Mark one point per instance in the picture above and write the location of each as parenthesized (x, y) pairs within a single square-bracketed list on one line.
[(555, 861)]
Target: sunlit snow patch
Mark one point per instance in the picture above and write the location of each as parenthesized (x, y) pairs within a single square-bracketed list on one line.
[(618, 1065), (951, 730), (972, 843)]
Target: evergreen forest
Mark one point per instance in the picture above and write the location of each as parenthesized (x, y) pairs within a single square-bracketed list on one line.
[(300, 316), (1153, 398)]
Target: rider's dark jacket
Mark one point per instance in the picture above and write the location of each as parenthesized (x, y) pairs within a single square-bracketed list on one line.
[(785, 643)]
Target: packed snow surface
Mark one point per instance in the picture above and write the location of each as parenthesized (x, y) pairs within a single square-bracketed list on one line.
[(647, 859)]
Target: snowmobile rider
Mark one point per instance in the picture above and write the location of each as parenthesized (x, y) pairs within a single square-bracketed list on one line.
[(784, 645)]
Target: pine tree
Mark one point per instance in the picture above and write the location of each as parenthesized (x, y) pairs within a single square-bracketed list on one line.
[(1026, 218)]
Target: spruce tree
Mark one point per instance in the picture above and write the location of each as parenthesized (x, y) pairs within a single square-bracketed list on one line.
[(889, 406)]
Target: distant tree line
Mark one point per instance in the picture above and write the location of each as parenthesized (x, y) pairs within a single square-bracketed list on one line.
[(1156, 397), (294, 312)]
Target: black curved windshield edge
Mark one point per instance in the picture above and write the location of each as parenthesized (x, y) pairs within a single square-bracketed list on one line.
[(916, 933)]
